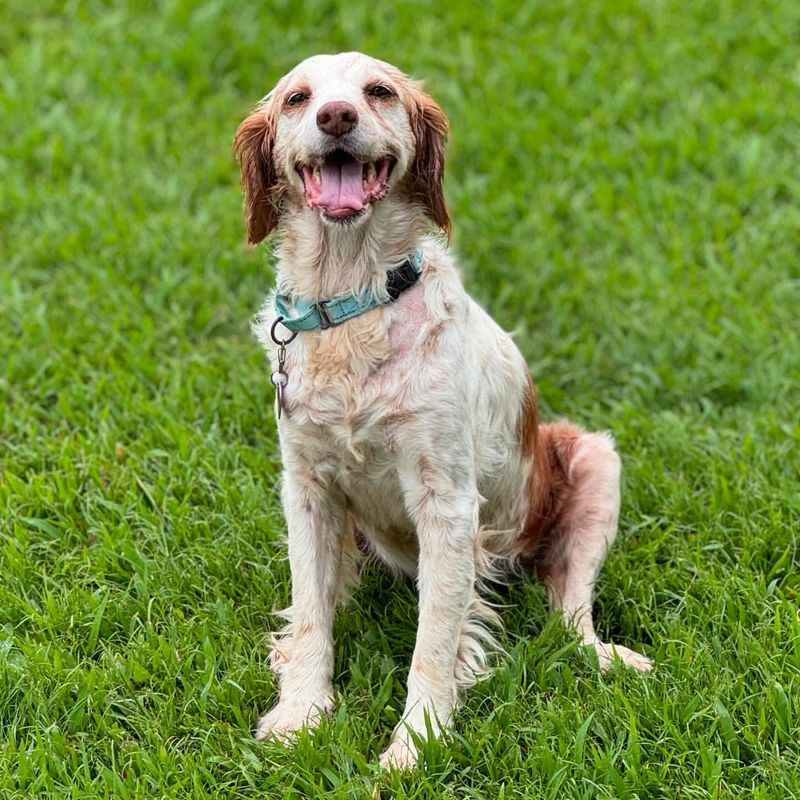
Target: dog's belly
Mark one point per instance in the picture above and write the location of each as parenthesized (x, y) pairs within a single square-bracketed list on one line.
[(375, 506), (379, 516)]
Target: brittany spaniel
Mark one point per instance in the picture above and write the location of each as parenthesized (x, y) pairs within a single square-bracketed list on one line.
[(407, 418)]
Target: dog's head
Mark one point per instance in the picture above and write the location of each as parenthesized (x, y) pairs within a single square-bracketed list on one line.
[(340, 133)]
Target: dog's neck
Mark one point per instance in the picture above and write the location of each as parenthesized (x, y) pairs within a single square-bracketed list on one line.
[(318, 261)]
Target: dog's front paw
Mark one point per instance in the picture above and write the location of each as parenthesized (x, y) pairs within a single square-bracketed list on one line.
[(610, 654), (400, 754), (290, 716)]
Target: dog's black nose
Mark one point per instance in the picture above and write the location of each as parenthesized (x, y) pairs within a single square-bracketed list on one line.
[(337, 118)]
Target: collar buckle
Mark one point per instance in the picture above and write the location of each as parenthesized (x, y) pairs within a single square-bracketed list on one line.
[(325, 320), (400, 279)]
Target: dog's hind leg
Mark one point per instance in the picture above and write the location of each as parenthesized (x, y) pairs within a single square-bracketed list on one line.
[(585, 469)]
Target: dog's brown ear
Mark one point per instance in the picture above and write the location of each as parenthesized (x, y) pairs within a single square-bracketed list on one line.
[(252, 147), (429, 125)]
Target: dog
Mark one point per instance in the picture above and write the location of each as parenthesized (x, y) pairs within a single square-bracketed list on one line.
[(407, 418)]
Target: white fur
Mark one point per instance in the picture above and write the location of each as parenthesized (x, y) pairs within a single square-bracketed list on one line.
[(402, 426)]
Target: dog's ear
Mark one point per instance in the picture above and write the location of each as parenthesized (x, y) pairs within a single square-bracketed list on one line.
[(252, 147), (429, 126)]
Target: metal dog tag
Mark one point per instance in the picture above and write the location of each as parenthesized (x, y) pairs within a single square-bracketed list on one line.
[(279, 378)]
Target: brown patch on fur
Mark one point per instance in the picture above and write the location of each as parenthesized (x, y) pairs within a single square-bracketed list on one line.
[(425, 467), (432, 337), (426, 175), (401, 417), (528, 422), (393, 424), (252, 147), (552, 448), (362, 543), (313, 477)]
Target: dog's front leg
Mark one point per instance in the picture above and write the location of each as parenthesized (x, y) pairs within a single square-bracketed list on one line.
[(444, 509), (302, 654)]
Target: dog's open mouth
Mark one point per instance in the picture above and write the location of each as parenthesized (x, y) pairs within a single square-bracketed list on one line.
[(342, 186)]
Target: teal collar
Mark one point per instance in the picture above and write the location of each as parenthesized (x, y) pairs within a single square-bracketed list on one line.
[(306, 316)]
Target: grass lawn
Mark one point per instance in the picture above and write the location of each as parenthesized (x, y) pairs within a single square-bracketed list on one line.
[(625, 185)]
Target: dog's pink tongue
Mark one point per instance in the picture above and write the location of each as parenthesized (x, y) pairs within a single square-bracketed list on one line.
[(342, 189)]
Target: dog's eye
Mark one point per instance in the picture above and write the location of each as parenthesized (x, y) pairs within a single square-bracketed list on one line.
[(380, 91), (296, 99)]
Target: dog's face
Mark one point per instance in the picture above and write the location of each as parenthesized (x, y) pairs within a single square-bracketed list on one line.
[(340, 133)]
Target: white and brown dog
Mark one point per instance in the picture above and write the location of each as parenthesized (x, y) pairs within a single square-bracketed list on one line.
[(409, 426)]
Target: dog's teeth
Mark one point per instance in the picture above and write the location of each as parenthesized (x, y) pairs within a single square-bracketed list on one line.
[(317, 175)]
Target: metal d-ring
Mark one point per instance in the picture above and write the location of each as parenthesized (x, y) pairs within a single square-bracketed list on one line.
[(281, 342)]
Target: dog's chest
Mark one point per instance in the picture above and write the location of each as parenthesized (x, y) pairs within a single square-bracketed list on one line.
[(348, 386)]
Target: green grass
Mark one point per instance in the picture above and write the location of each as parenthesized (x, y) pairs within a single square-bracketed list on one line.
[(625, 187)]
